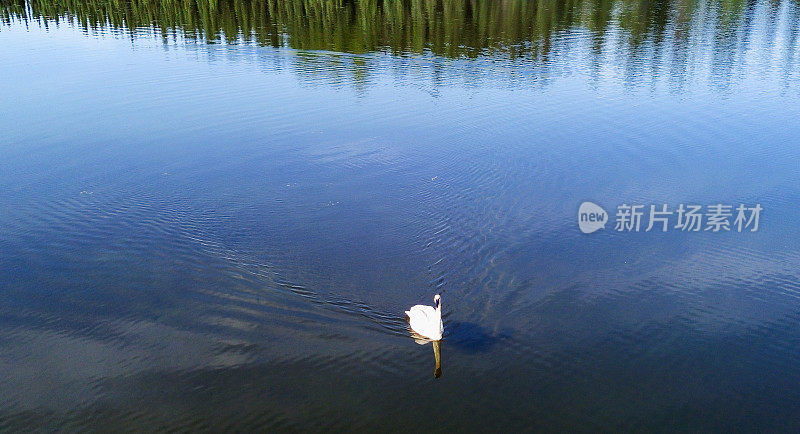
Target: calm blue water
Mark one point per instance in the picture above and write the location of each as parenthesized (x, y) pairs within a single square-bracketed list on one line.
[(214, 219)]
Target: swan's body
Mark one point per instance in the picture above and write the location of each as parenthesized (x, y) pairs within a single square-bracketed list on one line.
[(427, 320)]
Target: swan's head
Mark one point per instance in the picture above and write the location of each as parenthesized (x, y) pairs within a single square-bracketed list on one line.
[(437, 300)]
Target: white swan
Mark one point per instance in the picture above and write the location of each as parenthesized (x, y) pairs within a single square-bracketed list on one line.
[(426, 320)]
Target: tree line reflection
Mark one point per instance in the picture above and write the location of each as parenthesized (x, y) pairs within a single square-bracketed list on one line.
[(637, 34)]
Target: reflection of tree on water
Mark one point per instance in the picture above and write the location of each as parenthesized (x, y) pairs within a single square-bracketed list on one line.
[(642, 36), (450, 28)]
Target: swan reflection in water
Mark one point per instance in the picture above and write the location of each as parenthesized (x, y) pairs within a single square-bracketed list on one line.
[(437, 352)]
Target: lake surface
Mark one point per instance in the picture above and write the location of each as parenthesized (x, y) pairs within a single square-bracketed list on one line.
[(213, 214)]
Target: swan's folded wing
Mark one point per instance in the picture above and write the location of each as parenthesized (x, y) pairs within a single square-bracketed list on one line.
[(425, 312), (421, 318)]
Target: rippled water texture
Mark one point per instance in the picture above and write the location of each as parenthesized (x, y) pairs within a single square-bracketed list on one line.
[(213, 214)]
